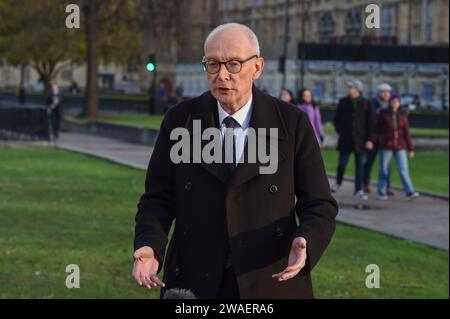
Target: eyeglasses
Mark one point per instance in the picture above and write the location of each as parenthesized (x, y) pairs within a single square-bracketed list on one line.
[(233, 66)]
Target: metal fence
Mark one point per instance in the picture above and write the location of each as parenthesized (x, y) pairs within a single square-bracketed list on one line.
[(24, 122)]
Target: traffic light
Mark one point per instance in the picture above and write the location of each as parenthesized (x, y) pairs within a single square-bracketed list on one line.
[(150, 66)]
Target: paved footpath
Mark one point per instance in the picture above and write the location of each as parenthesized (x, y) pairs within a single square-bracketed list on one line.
[(424, 220)]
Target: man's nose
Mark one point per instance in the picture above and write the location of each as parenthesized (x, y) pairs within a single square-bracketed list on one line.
[(223, 74)]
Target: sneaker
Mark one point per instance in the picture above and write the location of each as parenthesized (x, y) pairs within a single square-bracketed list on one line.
[(335, 188), (361, 195), (382, 197), (412, 196), (367, 189), (390, 192)]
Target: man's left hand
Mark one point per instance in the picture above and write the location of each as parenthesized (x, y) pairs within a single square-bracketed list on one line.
[(296, 261), (369, 145)]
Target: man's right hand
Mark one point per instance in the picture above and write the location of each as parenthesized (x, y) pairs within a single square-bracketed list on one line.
[(146, 267)]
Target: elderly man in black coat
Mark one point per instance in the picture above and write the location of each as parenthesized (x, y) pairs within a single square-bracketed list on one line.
[(235, 233), (354, 122)]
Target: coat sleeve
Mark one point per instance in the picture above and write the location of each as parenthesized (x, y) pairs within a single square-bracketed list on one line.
[(315, 207), (371, 120), (319, 125), (337, 117), (407, 134), (156, 207), (378, 130)]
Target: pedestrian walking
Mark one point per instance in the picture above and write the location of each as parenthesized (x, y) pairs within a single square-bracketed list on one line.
[(310, 107), (394, 138), (354, 124), (380, 102)]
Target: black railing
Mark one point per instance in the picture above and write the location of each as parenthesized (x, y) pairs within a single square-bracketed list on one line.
[(24, 122)]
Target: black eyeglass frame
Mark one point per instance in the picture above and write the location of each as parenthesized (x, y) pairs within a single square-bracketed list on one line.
[(241, 62)]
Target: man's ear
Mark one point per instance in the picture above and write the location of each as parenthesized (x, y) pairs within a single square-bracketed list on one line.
[(259, 67)]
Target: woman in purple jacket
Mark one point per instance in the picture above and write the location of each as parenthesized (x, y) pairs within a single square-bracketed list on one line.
[(308, 105)]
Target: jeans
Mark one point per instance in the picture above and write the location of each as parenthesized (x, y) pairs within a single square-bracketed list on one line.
[(402, 166), (359, 169), (371, 156)]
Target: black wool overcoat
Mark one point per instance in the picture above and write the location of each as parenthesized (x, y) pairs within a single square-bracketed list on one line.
[(252, 214)]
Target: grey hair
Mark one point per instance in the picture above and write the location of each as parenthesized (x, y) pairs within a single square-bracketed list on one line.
[(251, 35)]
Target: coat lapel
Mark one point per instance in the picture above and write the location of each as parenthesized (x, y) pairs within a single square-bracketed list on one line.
[(206, 112), (265, 114)]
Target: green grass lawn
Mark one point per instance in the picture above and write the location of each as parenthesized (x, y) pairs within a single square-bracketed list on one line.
[(418, 132), (59, 208), (428, 170), (147, 121), (154, 121)]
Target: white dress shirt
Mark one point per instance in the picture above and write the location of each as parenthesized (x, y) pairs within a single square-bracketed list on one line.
[(243, 117)]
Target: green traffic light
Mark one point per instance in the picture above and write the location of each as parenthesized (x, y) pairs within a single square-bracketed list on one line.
[(150, 67)]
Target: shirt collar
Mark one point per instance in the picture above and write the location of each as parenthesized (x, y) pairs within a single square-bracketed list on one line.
[(242, 116)]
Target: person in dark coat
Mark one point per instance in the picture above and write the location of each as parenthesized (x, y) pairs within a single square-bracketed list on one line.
[(54, 110), (354, 122), (235, 233)]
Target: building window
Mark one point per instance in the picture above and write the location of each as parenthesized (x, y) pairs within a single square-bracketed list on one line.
[(416, 21), (229, 5), (326, 27), (318, 89), (353, 25), (257, 28), (428, 92), (429, 21), (388, 21)]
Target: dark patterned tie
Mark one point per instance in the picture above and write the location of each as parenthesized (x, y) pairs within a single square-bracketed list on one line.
[(231, 123)]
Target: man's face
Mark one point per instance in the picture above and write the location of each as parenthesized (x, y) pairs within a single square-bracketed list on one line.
[(232, 90), (384, 95), (353, 92)]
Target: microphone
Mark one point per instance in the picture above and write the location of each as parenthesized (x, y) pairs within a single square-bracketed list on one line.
[(177, 293)]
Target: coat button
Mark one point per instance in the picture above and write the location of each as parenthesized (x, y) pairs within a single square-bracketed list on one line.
[(273, 189), (177, 271), (207, 275), (188, 186), (186, 232), (278, 232), (241, 243)]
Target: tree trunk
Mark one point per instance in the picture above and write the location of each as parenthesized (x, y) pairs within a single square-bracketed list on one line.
[(93, 56), (46, 80)]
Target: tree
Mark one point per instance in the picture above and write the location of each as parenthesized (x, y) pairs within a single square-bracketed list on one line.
[(113, 34), (34, 33)]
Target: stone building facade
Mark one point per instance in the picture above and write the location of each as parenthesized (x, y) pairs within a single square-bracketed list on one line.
[(276, 22)]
